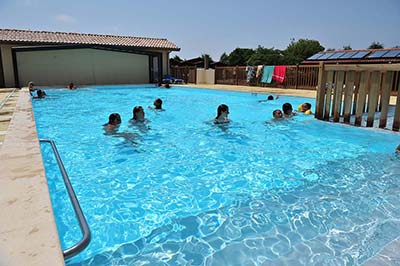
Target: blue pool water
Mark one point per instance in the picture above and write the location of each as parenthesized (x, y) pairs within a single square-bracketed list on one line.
[(181, 191)]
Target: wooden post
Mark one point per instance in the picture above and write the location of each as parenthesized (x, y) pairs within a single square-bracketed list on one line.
[(356, 89), (373, 96), (396, 119), (386, 89), (337, 104), (297, 73), (362, 92), (348, 96), (321, 90), (328, 96), (237, 76)]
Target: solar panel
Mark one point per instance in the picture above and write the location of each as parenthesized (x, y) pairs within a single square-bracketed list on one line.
[(360, 54), (336, 55), (377, 54), (347, 55), (392, 53), (325, 56), (313, 57)]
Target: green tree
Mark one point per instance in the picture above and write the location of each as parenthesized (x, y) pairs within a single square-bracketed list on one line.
[(330, 49), (174, 61), (265, 56), (298, 51), (347, 47), (224, 59), (240, 56), (376, 45)]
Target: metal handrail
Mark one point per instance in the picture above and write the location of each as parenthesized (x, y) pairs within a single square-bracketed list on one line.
[(4, 101), (84, 242)]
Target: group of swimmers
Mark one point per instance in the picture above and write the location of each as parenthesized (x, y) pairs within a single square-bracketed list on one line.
[(41, 93), (114, 119)]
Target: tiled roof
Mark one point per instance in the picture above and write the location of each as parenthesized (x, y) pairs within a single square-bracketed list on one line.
[(47, 37)]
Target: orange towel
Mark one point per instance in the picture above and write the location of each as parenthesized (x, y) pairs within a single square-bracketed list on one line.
[(279, 74)]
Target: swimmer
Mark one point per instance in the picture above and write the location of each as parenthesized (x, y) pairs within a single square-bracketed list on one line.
[(305, 108), (269, 98), (222, 114), (138, 115), (398, 149), (40, 94), (114, 120), (277, 114), (288, 110), (71, 86)]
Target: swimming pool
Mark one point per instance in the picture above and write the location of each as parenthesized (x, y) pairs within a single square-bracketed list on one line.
[(183, 191)]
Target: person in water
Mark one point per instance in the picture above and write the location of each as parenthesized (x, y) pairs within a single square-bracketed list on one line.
[(40, 94), (71, 86), (398, 149), (158, 104), (222, 114), (277, 114), (288, 110), (305, 108), (138, 114), (114, 120), (269, 98)]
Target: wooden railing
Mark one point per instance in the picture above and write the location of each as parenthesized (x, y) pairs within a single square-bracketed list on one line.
[(345, 90), (187, 73), (297, 77)]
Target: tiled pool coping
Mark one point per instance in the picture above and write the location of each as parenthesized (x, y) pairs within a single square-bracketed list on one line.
[(28, 231), (28, 234)]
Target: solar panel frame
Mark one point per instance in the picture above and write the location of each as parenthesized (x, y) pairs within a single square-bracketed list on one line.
[(359, 55), (326, 56), (347, 55), (377, 54), (336, 55), (391, 53), (314, 57)]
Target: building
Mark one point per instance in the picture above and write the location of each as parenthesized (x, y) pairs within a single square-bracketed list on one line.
[(58, 58)]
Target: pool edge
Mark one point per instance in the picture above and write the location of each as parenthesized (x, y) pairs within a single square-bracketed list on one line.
[(28, 233)]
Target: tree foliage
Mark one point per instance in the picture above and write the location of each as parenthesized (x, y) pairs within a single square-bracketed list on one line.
[(265, 56), (240, 56), (224, 59), (298, 51), (347, 47), (376, 45)]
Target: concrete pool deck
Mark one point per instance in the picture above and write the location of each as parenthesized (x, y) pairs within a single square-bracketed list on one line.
[(28, 233)]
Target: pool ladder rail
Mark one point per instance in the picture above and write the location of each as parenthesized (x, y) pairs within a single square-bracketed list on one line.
[(86, 235)]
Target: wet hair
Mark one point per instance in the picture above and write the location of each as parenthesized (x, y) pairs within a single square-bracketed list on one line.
[(276, 111), (71, 85), (114, 119), (158, 103), (159, 84), (222, 108), (40, 94), (135, 110), (286, 107), (308, 105), (270, 98), (167, 86)]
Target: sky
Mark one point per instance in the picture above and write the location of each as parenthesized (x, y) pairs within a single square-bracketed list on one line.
[(216, 26)]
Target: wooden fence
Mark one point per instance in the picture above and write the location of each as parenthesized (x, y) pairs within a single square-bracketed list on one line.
[(187, 73), (345, 90), (297, 77)]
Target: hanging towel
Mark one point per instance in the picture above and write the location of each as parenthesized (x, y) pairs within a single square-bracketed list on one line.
[(279, 74), (259, 71), (250, 73), (267, 74)]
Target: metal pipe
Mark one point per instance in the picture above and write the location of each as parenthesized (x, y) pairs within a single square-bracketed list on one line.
[(86, 236)]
